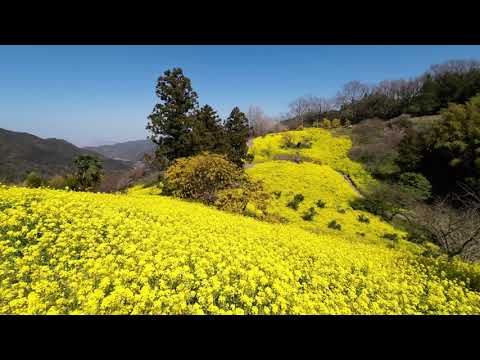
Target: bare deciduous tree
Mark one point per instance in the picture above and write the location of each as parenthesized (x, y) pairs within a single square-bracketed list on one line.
[(299, 108), (352, 91), (456, 230), (260, 123), (454, 66)]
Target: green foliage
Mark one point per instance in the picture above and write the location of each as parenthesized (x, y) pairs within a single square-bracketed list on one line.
[(363, 219), (88, 172), (390, 236), (295, 202), (309, 214), (334, 225), (288, 141), (57, 182), (448, 146), (410, 152), (277, 194), (171, 121), (237, 130), (416, 184), (385, 200), (208, 133), (33, 180), (320, 204)]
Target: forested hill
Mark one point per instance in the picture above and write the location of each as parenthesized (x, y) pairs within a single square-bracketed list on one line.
[(21, 153), (130, 150)]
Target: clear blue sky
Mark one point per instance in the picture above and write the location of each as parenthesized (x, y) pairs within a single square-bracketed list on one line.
[(92, 95)]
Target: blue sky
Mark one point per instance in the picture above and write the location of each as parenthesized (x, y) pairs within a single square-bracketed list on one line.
[(92, 95)]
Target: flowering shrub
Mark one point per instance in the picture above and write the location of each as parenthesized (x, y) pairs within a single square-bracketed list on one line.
[(200, 177), (295, 202), (67, 252)]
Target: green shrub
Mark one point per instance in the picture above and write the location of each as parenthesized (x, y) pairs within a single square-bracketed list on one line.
[(33, 180), (341, 211), (309, 214), (417, 184), (320, 204), (295, 202), (57, 182), (305, 143), (363, 219), (288, 141), (334, 225), (391, 236), (71, 182), (385, 200), (277, 194), (88, 172)]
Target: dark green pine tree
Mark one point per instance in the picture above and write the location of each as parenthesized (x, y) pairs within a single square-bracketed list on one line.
[(208, 133), (428, 102), (237, 132), (171, 122)]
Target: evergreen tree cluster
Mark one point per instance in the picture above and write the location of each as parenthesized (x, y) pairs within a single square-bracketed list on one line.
[(181, 128), (448, 152)]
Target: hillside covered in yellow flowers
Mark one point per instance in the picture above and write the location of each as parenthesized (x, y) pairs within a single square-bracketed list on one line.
[(64, 252)]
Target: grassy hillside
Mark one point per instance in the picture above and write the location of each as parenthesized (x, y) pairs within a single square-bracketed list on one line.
[(65, 252), (23, 152)]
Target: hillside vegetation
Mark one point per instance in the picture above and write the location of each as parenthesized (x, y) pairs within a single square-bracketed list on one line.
[(22, 153), (143, 253)]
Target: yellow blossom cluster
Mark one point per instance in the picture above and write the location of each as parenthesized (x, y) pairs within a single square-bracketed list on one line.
[(67, 252)]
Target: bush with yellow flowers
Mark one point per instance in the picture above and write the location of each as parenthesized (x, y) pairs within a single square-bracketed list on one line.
[(67, 252)]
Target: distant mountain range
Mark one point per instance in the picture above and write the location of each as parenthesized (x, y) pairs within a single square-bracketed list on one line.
[(129, 151), (21, 153)]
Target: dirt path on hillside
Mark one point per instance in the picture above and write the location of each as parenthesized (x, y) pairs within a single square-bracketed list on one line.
[(350, 182)]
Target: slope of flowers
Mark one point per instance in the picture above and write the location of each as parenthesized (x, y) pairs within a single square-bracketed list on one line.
[(82, 253), (318, 182), (326, 149)]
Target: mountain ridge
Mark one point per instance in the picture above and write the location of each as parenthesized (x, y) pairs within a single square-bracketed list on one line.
[(22, 152), (133, 150)]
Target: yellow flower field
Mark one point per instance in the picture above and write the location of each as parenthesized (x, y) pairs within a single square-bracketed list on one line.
[(318, 182), (67, 252), (326, 149)]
